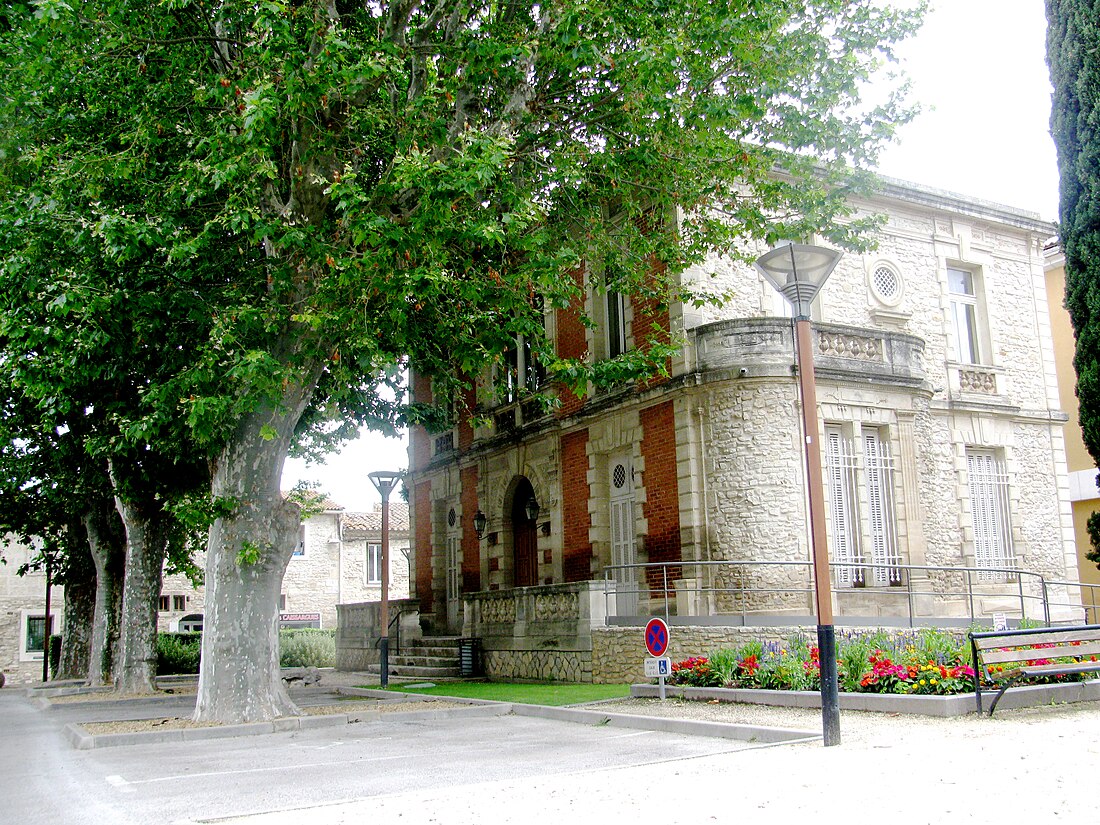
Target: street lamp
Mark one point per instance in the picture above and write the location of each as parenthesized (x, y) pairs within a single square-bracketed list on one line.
[(384, 481), (798, 272)]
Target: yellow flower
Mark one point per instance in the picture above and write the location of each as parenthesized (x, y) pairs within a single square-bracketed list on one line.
[(923, 682), (933, 681)]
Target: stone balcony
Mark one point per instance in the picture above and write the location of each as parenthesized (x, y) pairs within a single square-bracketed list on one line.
[(764, 347)]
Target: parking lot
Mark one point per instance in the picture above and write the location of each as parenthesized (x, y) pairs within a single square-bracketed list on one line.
[(1024, 765)]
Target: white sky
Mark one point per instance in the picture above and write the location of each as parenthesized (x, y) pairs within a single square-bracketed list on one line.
[(978, 69)]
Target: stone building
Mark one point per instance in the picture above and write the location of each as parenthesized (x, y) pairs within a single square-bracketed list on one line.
[(942, 443), (23, 614), (338, 559)]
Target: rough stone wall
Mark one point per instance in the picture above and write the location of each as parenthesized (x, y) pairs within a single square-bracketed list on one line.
[(354, 587), (538, 665), (311, 582), (175, 585), (20, 596), (1036, 520)]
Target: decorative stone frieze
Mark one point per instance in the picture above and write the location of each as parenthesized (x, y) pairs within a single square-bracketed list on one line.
[(847, 345), (978, 380)]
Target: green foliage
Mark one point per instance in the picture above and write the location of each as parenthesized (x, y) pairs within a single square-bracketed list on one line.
[(1073, 53), (250, 553), (178, 653), (307, 648)]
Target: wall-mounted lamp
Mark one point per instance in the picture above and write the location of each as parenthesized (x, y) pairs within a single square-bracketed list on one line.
[(480, 520), (532, 509)]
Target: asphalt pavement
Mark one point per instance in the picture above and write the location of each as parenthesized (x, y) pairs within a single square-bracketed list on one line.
[(1033, 765)]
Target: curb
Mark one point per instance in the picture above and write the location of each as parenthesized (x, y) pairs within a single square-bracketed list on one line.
[(80, 739), (686, 727), (960, 704)]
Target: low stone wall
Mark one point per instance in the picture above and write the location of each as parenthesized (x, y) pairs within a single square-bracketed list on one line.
[(542, 633), (358, 631)]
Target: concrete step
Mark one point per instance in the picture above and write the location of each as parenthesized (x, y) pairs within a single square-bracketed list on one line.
[(424, 661), (421, 650), (418, 672)]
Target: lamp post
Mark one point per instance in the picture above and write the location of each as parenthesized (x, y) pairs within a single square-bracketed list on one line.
[(384, 481), (798, 272)]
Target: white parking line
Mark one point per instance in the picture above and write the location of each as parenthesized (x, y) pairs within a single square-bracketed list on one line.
[(127, 785)]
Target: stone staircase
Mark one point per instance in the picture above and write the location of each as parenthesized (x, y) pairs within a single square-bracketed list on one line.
[(432, 657)]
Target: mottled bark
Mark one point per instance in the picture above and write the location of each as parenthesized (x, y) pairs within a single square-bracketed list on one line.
[(147, 530), (107, 542), (79, 577), (239, 679)]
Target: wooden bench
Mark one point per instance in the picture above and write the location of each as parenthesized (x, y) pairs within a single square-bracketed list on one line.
[(1023, 650)]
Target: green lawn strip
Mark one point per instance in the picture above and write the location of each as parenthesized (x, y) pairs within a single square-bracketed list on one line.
[(526, 693)]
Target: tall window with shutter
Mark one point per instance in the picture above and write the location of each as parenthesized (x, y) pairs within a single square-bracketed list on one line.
[(861, 512), (989, 512)]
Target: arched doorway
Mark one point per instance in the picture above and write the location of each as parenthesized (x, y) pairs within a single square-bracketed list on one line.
[(525, 562)]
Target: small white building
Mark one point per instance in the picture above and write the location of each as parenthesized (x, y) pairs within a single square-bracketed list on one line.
[(338, 560), (23, 614)]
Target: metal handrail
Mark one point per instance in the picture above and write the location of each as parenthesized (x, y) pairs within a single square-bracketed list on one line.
[(1033, 594)]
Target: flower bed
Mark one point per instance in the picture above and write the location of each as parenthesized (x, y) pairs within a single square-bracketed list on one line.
[(925, 662)]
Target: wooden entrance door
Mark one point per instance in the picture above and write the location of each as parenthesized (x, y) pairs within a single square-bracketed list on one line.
[(524, 538)]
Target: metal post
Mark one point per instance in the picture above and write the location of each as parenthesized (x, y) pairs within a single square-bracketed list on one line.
[(384, 482), (384, 645), (826, 633)]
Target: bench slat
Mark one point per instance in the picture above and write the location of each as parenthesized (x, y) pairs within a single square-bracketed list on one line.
[(993, 657), (1041, 670), (1025, 637)]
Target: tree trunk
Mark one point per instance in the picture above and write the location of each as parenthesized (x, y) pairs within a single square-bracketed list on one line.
[(79, 578), (106, 541), (247, 554), (147, 528)]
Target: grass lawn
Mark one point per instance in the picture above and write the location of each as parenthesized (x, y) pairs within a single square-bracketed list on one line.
[(530, 694)]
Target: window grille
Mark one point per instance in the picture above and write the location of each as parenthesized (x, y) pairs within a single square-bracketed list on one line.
[(989, 510), (864, 527)]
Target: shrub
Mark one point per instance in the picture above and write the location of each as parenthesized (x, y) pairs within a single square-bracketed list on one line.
[(307, 648), (178, 653)]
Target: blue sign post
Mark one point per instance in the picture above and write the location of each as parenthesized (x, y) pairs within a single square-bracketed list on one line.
[(656, 642)]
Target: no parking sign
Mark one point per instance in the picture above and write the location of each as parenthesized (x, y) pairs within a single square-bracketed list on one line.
[(656, 637), (656, 642)]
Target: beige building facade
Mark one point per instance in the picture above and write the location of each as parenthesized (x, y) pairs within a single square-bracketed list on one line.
[(23, 614), (942, 440), (1083, 492), (338, 559)]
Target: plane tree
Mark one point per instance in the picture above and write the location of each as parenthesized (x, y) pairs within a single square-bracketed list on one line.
[(366, 184)]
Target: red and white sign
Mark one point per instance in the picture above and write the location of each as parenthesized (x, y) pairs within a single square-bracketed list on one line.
[(656, 637)]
